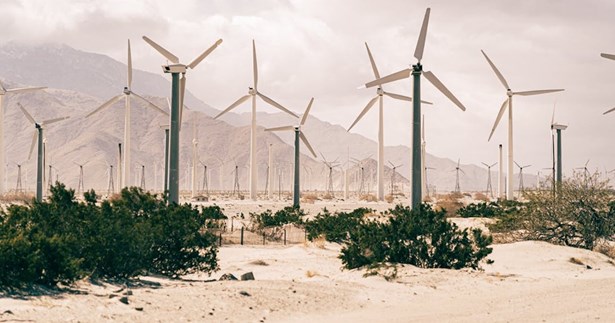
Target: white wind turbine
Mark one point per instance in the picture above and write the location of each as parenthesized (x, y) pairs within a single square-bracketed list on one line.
[(4, 91), (253, 92), (508, 103), (127, 94), (38, 134), (379, 96), (608, 56)]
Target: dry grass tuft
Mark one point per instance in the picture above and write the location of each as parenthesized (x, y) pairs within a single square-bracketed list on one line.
[(450, 203), (576, 261), (16, 197), (389, 198), (309, 198), (481, 197), (605, 248), (259, 262), (311, 273), (327, 197), (368, 198), (320, 241)]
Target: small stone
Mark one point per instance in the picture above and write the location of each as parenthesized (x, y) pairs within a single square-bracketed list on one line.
[(588, 266), (8, 312), (247, 276), (128, 293), (227, 277), (140, 309), (112, 295), (211, 313), (124, 300), (244, 293)]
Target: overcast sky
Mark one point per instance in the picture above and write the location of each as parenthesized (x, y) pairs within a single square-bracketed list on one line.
[(316, 48)]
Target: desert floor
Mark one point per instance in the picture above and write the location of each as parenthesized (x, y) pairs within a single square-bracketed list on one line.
[(528, 282)]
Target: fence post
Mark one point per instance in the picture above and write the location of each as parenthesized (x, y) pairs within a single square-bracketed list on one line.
[(263, 238), (284, 236), (241, 239), (220, 243)]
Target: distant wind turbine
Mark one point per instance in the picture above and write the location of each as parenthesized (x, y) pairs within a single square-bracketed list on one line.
[(298, 135), (38, 134), (127, 93), (253, 93), (4, 91), (416, 71), (508, 103)]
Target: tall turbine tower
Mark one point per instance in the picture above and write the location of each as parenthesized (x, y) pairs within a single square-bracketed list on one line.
[(416, 71), (253, 92), (489, 186), (508, 103), (4, 91), (127, 94), (558, 130), (379, 96), (521, 187), (178, 88), (298, 135), (38, 134)]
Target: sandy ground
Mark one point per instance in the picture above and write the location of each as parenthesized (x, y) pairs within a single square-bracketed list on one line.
[(528, 282)]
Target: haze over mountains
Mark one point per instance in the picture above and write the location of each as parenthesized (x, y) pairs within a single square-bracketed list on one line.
[(79, 82)]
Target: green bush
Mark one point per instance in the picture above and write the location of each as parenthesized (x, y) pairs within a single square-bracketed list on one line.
[(284, 216), (63, 240), (421, 237), (334, 227), (498, 209)]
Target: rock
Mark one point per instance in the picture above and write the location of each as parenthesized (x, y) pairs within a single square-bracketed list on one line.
[(244, 293), (124, 300), (247, 276), (8, 312), (588, 266), (227, 277), (128, 293), (140, 309)]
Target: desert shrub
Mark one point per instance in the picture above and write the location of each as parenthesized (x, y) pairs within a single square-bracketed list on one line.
[(479, 196), (281, 217), (449, 203), (309, 198), (334, 227), (497, 209), (63, 240), (579, 215), (368, 198), (421, 237)]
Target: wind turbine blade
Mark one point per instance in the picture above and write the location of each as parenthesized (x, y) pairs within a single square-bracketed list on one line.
[(494, 164), (25, 112), (420, 44), (553, 115), (397, 96), (392, 165), (608, 111), (306, 113), (129, 64), (275, 104), (168, 103), (436, 82), (284, 128), (485, 165), (107, 104), (232, 106), (34, 137), (50, 121), (526, 166), (367, 107), (150, 104), (403, 74), (497, 120), (516, 164), (371, 60), (609, 56), (197, 60), (307, 144), (526, 93), (25, 89), (497, 72), (462, 172), (458, 161), (162, 51), (254, 65)]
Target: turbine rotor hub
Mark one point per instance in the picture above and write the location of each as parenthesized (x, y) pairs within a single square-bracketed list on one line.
[(251, 91), (380, 91), (127, 90)]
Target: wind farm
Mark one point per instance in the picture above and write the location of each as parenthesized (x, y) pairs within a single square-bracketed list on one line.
[(323, 207)]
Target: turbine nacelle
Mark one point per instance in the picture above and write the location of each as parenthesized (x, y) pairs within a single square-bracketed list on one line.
[(127, 90), (175, 68), (251, 91), (380, 91)]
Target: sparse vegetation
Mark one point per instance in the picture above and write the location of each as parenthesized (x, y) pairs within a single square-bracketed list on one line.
[(63, 240), (284, 216), (334, 227), (449, 204), (421, 237)]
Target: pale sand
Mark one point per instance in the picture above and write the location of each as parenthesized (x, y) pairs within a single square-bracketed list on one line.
[(529, 281)]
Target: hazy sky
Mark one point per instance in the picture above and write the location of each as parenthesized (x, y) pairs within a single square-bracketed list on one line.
[(316, 48)]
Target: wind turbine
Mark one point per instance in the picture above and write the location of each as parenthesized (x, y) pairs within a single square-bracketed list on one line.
[(80, 187), (585, 170), (298, 135), (205, 187), (489, 187), (416, 71), (457, 170), (521, 187), (508, 103), (110, 186), (330, 166), (127, 93), (4, 91), (393, 187), (178, 89), (380, 93), (195, 157), (558, 129), (18, 187), (253, 92), (38, 133)]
